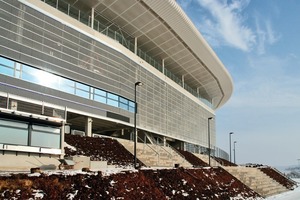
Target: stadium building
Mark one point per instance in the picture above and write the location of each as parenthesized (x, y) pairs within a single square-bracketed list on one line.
[(79, 66)]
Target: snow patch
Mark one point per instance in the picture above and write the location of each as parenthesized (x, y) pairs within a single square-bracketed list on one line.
[(71, 196), (38, 194)]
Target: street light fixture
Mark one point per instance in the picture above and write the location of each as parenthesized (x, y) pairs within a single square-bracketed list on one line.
[(230, 145), (208, 131), (134, 131), (234, 151)]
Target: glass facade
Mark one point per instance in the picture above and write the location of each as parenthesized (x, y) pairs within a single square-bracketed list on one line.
[(22, 133), (115, 33), (13, 132), (37, 76), (31, 37), (45, 136)]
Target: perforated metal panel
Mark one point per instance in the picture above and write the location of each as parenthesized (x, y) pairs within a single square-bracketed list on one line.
[(35, 39)]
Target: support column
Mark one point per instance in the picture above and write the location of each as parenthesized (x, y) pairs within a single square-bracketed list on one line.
[(163, 65), (62, 141), (88, 126), (93, 16), (182, 79), (135, 46), (164, 138)]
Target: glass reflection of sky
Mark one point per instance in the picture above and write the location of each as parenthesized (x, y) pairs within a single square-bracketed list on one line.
[(47, 79), (40, 77)]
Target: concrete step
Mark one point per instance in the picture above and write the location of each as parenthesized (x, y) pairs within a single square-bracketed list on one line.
[(256, 180), (154, 155)]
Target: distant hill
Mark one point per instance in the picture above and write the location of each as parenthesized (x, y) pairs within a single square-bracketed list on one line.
[(292, 171)]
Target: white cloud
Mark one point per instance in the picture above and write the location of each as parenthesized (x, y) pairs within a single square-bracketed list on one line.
[(265, 34), (227, 23), (272, 37)]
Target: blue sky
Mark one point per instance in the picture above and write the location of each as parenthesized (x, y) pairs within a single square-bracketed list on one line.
[(258, 42)]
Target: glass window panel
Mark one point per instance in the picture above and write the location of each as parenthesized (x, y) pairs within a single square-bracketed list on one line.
[(112, 103), (100, 99), (6, 71), (64, 81), (7, 62), (18, 66), (124, 106), (17, 74), (28, 74), (66, 85), (131, 109), (112, 96), (56, 82), (45, 129), (83, 94), (40, 77), (13, 133), (131, 104), (122, 100), (67, 89), (45, 139), (100, 92), (82, 86)]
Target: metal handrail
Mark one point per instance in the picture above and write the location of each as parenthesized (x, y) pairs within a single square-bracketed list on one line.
[(279, 172), (174, 149), (148, 145), (171, 156)]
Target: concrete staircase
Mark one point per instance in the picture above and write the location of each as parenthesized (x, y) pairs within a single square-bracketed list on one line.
[(156, 156), (205, 158), (257, 180)]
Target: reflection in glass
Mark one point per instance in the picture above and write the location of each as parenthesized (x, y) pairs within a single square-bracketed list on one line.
[(82, 93), (112, 103), (99, 99), (6, 70), (13, 132), (53, 81), (100, 92), (112, 96), (45, 136)]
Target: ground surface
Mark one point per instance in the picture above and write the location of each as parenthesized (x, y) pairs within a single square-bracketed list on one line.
[(290, 195), (124, 182), (204, 183)]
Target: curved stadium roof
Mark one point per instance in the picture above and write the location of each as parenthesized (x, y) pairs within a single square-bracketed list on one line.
[(165, 32)]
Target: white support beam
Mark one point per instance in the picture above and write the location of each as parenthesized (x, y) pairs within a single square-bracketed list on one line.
[(88, 126), (135, 45), (93, 18)]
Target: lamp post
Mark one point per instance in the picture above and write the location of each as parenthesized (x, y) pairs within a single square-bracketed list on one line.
[(208, 138), (234, 152), (230, 145), (134, 131)]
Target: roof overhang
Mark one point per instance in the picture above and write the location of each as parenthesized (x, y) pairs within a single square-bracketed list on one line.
[(165, 32)]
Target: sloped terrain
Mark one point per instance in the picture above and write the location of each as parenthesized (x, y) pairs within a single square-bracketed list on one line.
[(202, 182), (191, 158), (205, 183), (224, 162), (97, 148)]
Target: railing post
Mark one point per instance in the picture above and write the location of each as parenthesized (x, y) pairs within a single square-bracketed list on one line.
[(93, 16), (43, 108), (7, 101), (66, 113)]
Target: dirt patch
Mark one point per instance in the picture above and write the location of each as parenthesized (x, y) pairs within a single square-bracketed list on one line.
[(201, 183)]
